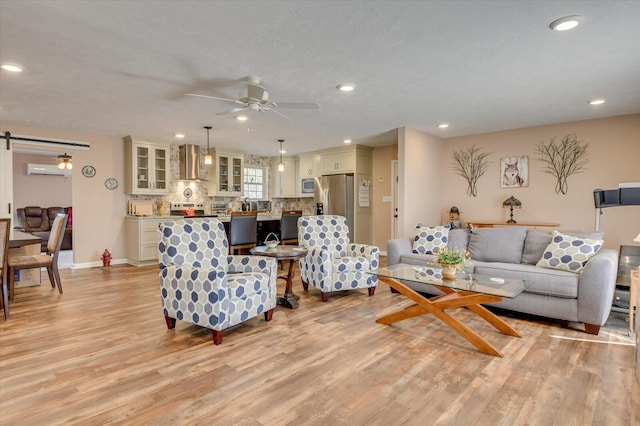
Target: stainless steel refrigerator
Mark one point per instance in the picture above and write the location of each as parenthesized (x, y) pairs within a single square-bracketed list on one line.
[(334, 195)]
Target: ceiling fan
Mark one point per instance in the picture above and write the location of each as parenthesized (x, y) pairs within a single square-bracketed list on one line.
[(254, 97)]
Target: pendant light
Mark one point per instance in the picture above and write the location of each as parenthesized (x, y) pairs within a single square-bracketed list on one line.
[(208, 159), (64, 162), (281, 164)]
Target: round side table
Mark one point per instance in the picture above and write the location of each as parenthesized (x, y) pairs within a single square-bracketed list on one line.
[(290, 253)]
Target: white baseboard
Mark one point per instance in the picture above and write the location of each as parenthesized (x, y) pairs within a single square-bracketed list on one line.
[(97, 264)]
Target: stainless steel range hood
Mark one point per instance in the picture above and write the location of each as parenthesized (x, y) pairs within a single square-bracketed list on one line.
[(189, 162)]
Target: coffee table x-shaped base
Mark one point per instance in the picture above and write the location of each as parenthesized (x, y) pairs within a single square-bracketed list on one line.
[(451, 299)]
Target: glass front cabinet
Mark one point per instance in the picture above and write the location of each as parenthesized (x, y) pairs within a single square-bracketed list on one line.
[(226, 174), (147, 167)]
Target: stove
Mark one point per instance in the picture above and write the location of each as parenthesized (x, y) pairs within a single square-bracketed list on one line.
[(188, 209)]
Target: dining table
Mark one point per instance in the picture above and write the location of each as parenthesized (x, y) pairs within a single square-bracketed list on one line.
[(18, 239)]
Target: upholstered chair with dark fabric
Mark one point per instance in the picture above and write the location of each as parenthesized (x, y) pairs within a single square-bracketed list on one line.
[(333, 263), (202, 284), (34, 220)]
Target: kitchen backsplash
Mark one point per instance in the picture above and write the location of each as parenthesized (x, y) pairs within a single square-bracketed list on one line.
[(199, 189)]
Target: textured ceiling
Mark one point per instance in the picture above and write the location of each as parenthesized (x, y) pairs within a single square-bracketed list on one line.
[(118, 68)]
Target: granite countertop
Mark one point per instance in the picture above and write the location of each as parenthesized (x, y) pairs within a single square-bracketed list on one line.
[(222, 218)]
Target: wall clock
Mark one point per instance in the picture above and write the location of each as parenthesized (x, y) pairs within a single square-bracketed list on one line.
[(88, 171), (111, 183), (188, 192)]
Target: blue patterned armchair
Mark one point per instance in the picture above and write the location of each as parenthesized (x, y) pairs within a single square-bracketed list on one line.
[(203, 285), (333, 263)]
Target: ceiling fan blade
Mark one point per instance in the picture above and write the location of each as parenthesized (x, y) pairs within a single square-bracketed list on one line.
[(231, 111), (215, 97), (298, 105), (277, 112)]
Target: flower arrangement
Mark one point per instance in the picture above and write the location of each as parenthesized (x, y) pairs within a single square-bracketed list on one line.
[(455, 258)]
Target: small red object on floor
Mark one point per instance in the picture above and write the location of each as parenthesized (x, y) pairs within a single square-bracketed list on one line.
[(106, 258)]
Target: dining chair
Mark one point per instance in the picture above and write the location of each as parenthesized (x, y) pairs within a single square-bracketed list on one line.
[(48, 260), (5, 229), (243, 231), (289, 226)]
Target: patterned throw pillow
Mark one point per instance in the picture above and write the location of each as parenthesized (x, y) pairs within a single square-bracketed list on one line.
[(430, 239), (568, 253)]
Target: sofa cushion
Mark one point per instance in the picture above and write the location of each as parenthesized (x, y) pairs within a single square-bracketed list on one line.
[(568, 253), (503, 244), (536, 243), (458, 239), (546, 282), (430, 239)]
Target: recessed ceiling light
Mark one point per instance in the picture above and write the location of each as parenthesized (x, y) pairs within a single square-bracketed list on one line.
[(443, 125), (179, 135), (11, 67), (597, 101), (347, 141), (346, 87), (566, 23), (242, 118)]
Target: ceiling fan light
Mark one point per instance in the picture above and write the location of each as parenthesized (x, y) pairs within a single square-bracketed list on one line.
[(64, 162)]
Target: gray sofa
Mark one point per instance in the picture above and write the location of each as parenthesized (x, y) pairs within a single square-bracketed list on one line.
[(512, 252)]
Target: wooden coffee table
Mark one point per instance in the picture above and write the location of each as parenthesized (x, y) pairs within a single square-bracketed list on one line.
[(290, 253), (468, 291)]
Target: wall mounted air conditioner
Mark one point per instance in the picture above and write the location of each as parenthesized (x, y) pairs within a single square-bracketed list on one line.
[(46, 169)]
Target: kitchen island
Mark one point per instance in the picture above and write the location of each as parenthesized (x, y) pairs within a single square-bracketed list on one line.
[(142, 234)]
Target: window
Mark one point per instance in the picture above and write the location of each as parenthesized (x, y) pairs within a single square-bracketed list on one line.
[(255, 182)]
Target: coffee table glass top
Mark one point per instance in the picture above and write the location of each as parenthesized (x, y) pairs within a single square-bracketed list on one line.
[(432, 275)]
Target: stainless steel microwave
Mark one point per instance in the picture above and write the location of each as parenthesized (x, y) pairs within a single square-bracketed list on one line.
[(308, 186)]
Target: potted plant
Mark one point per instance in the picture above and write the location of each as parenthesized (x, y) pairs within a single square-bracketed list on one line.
[(451, 261)]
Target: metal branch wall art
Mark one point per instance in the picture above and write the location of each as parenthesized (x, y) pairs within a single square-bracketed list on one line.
[(470, 164), (562, 159)]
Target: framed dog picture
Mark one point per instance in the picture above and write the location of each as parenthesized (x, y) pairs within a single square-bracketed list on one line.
[(514, 172)]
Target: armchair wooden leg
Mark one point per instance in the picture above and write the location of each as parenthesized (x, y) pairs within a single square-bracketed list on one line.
[(268, 315), (217, 336), (372, 291), (592, 328), (305, 286), (325, 296), (171, 322)]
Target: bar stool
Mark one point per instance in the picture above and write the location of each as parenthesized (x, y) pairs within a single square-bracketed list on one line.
[(289, 226), (243, 230)]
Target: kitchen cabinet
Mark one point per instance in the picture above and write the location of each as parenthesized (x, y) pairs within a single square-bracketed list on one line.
[(285, 183), (309, 166), (226, 174), (146, 167), (142, 239), (339, 162)]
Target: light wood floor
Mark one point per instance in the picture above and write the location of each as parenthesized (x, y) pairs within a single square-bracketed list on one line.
[(101, 353)]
